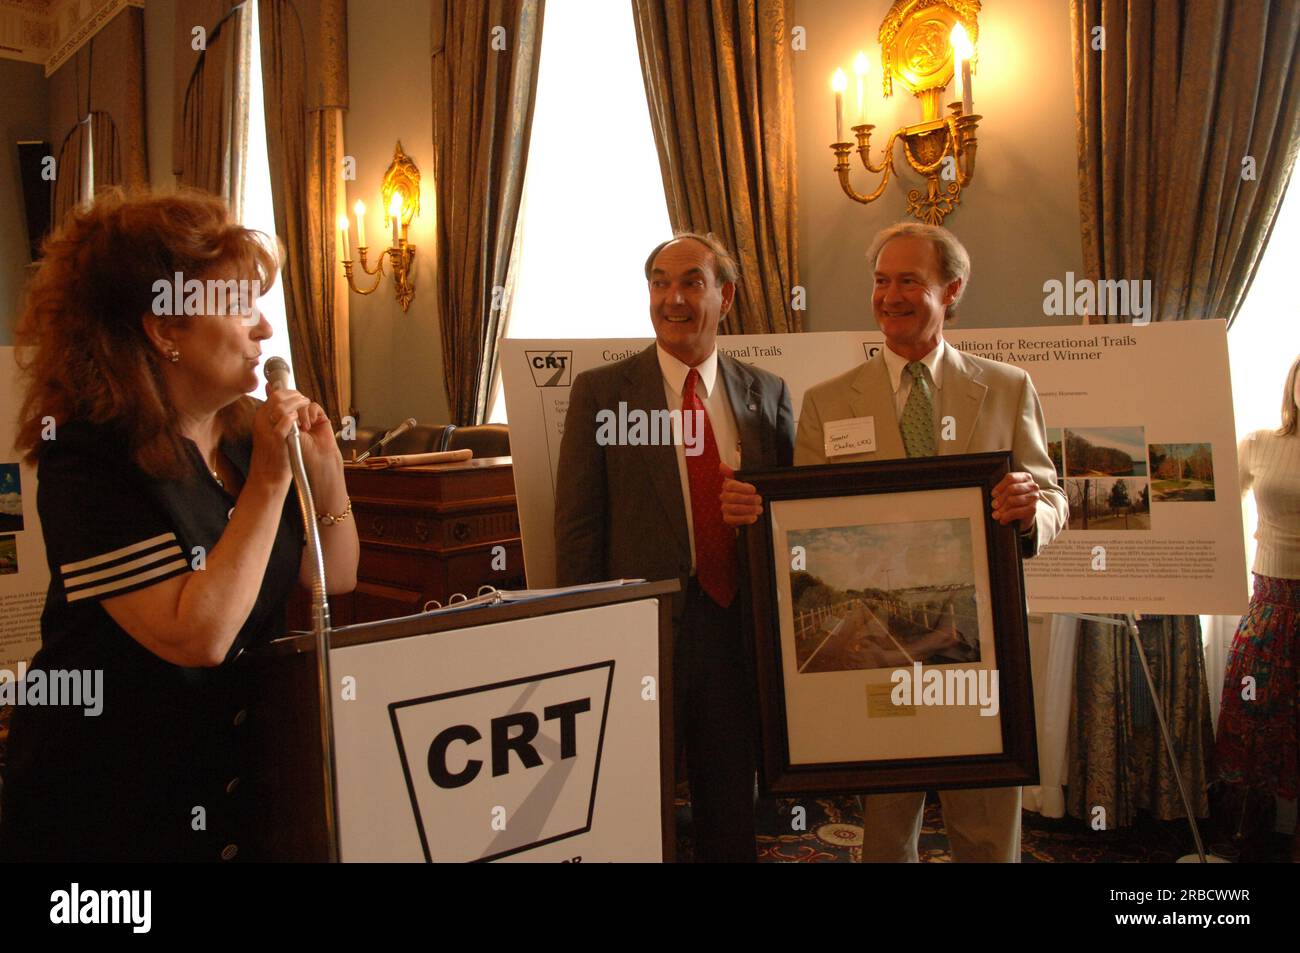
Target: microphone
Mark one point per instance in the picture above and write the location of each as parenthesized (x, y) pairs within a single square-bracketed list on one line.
[(277, 378), (397, 431)]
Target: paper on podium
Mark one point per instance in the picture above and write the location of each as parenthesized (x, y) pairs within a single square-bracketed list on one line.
[(415, 459), (494, 597)]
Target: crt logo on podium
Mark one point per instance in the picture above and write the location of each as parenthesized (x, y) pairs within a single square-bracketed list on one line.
[(530, 746)]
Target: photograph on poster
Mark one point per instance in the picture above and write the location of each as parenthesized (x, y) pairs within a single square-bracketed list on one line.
[(1054, 445), (884, 595), (8, 555), (11, 499), (1105, 451), (1108, 504), (1181, 472)]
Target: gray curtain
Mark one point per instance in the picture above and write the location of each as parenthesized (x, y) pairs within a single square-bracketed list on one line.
[(719, 81), (1165, 113), (213, 139), (482, 119), (1165, 116), (305, 87), (100, 86)]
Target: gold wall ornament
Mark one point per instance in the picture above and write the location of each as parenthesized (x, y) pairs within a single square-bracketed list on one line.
[(400, 192), (402, 178), (920, 41)]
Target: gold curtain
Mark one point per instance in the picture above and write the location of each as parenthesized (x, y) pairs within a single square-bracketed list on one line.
[(101, 85), (1188, 126), (718, 78), (1170, 99), (484, 76), (213, 144), (305, 86), (1117, 757)]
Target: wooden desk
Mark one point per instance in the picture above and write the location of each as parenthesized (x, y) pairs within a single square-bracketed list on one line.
[(426, 533)]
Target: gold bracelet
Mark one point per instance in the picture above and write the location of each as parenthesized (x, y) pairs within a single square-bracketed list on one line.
[(328, 519)]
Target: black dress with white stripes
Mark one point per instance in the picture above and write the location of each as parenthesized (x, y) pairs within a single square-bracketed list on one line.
[(160, 772)]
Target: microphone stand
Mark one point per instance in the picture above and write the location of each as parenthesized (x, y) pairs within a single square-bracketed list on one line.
[(320, 624)]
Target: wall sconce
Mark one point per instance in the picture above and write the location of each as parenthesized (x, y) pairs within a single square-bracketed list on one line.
[(925, 44), (400, 193)]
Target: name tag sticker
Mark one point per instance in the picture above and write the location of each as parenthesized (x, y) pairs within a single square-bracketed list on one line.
[(852, 435)]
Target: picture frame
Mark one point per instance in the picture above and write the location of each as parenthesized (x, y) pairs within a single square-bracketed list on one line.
[(888, 634)]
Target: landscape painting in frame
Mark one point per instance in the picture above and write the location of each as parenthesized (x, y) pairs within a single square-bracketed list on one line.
[(882, 583)]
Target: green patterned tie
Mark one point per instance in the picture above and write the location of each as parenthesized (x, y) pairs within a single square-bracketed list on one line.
[(918, 414)]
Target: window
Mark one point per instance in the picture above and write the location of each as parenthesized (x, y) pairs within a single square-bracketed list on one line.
[(1265, 337), (1262, 343), (593, 203), (259, 213)]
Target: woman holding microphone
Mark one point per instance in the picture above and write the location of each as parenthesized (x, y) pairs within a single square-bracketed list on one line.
[(172, 537)]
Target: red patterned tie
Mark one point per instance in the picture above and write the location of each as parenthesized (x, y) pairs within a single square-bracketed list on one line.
[(715, 541)]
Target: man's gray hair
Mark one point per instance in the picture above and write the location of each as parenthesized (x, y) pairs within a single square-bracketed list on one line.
[(954, 260), (725, 268)]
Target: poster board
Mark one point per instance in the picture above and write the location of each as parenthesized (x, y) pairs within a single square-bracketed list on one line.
[(1159, 394), (24, 575)]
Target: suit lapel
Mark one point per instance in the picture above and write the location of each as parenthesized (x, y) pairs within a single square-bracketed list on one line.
[(742, 394), (962, 398), (872, 396), (646, 392)]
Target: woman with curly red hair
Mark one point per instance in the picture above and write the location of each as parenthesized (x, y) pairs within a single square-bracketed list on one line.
[(172, 539)]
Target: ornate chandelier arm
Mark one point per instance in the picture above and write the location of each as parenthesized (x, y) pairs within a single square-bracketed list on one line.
[(378, 273), (842, 169)]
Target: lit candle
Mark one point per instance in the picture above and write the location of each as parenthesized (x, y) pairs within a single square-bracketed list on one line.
[(860, 68), (360, 209), (395, 213), (962, 51), (343, 238), (838, 82)]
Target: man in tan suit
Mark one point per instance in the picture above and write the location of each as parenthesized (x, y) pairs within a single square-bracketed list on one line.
[(924, 397)]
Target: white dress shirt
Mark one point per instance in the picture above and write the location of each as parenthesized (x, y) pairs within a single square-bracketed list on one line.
[(713, 394), (902, 383)]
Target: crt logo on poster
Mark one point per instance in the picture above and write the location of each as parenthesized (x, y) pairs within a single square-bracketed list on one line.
[(502, 768), (550, 368)]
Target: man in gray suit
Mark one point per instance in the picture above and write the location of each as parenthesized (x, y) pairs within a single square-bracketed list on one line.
[(650, 508), (920, 397)]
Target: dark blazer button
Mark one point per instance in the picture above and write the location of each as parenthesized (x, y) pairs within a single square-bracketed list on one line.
[(229, 851)]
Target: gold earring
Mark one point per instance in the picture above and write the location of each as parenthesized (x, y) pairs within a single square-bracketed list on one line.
[(173, 355)]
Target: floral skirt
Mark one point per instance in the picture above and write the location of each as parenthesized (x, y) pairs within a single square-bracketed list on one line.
[(1258, 744)]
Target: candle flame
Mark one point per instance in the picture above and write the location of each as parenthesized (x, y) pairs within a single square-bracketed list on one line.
[(860, 64), (343, 223), (395, 206), (962, 48), (360, 209), (839, 82)]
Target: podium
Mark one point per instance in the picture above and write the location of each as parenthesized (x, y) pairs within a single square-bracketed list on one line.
[(426, 533), (538, 730)]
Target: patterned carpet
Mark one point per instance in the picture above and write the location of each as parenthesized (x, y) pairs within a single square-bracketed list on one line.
[(833, 834)]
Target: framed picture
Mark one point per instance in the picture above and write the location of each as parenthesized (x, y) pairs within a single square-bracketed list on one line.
[(889, 637)]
